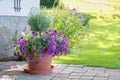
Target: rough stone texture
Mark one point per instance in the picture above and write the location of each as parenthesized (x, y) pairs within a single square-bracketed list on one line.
[(14, 71), (8, 26)]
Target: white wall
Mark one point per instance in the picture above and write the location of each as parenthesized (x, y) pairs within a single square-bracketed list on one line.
[(6, 7)]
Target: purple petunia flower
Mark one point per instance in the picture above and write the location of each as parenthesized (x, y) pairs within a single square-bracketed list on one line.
[(30, 57), (39, 39), (31, 42), (49, 30), (42, 55), (18, 42), (49, 51), (22, 54), (20, 38), (22, 47), (34, 33), (55, 31), (23, 42), (58, 35), (46, 32), (49, 36), (52, 43), (53, 55), (42, 50)]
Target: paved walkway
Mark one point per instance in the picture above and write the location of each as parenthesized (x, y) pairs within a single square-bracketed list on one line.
[(14, 71)]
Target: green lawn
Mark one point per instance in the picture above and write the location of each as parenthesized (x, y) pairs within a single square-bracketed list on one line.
[(102, 47)]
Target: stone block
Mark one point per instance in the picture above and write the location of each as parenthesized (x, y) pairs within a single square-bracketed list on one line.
[(74, 76)]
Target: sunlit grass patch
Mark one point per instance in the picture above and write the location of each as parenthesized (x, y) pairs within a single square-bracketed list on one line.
[(104, 47), (104, 6)]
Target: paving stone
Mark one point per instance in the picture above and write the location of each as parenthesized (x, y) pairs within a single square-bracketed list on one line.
[(59, 67), (94, 72), (76, 79), (76, 74), (56, 71), (88, 68), (79, 70), (48, 77), (1, 63), (9, 63), (2, 73), (25, 78), (70, 68), (60, 79), (34, 77), (78, 66), (14, 71), (102, 74), (73, 76), (6, 77), (112, 70), (100, 78), (44, 79), (62, 65), (86, 78), (50, 74), (22, 62), (62, 75), (115, 74), (17, 73), (65, 72), (2, 67), (114, 77), (89, 74), (99, 69)]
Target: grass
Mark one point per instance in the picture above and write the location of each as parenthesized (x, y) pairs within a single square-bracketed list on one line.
[(106, 6), (102, 47)]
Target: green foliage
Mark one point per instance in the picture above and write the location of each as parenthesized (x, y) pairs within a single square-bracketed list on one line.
[(72, 23), (39, 20), (104, 49), (49, 3)]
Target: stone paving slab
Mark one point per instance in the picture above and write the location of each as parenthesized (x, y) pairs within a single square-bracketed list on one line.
[(13, 70)]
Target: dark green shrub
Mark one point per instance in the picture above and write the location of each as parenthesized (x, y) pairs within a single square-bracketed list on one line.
[(49, 3)]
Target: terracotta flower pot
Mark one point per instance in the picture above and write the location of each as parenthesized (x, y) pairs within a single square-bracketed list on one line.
[(42, 66)]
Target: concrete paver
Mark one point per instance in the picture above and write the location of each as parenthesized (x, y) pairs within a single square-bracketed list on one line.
[(13, 70)]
